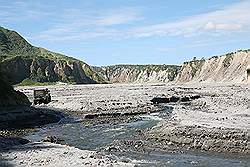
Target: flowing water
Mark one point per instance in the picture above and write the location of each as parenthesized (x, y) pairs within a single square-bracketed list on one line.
[(98, 136)]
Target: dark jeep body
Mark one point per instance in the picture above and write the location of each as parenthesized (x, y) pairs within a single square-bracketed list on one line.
[(42, 96)]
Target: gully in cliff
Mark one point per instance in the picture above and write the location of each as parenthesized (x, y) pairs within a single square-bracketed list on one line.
[(248, 74)]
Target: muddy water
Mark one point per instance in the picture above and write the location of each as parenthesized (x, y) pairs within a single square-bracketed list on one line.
[(99, 136)]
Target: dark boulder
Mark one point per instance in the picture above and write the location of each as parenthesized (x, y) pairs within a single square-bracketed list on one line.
[(193, 97), (158, 100), (174, 99), (185, 99), (9, 96)]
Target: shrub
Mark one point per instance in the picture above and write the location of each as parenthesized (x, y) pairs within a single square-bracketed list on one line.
[(29, 82), (227, 61)]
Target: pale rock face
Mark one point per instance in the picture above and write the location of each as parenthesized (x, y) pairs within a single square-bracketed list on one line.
[(228, 68), (138, 73), (137, 76)]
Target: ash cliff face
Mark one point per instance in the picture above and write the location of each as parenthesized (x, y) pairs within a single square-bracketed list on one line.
[(231, 67), (20, 60), (138, 73)]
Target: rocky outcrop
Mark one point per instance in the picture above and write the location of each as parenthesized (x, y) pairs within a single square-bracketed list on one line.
[(231, 67), (138, 73), (44, 70), (20, 60), (9, 96)]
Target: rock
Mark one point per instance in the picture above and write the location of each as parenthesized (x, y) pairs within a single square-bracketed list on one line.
[(10, 97), (158, 100), (193, 97), (174, 99), (185, 99), (111, 149), (52, 139)]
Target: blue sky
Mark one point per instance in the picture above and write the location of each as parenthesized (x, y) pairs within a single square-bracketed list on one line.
[(105, 32)]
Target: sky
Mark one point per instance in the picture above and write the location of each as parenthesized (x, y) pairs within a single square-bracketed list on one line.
[(108, 32)]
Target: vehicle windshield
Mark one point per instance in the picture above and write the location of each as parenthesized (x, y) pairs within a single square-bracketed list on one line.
[(39, 93)]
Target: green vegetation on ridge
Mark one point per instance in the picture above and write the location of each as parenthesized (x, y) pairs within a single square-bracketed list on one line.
[(27, 64), (13, 45), (30, 82)]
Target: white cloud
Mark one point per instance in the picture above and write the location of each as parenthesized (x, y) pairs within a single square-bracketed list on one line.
[(115, 19), (78, 25), (20, 11), (235, 17), (214, 26), (82, 18), (123, 16)]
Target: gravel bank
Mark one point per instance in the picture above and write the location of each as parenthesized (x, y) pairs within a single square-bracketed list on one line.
[(51, 155)]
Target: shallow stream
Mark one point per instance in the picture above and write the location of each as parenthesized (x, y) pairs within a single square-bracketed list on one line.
[(99, 136)]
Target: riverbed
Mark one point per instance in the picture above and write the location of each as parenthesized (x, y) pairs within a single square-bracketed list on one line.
[(213, 130)]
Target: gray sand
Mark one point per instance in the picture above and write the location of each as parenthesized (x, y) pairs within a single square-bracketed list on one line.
[(222, 114)]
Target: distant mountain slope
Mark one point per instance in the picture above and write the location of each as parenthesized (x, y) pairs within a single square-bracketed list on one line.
[(231, 67), (20, 60), (138, 73)]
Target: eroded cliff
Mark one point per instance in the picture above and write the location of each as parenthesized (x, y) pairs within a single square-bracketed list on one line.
[(231, 67), (138, 73)]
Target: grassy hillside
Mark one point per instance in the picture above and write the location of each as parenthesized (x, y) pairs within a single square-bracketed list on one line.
[(34, 64), (12, 45)]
